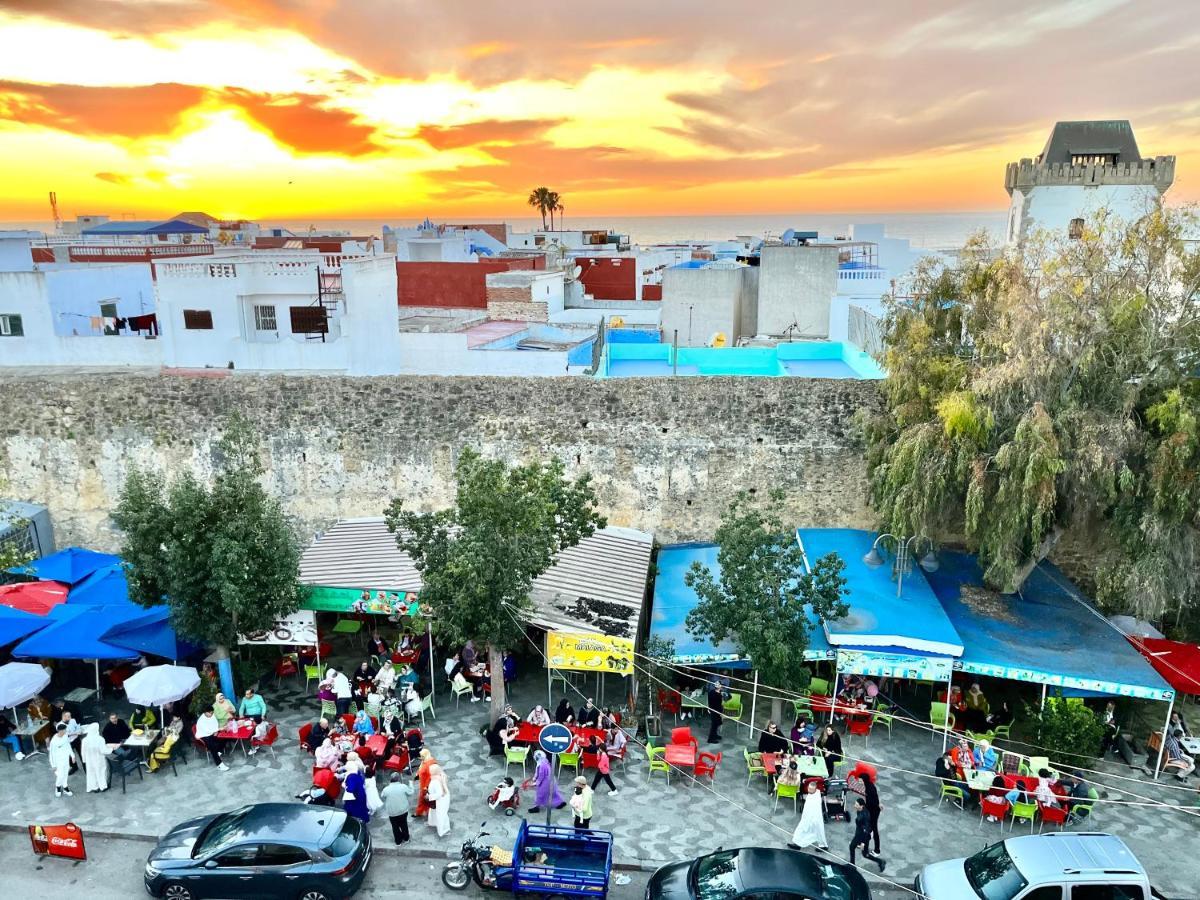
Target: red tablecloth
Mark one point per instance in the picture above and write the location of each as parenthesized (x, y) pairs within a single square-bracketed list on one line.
[(376, 744), (234, 732), (768, 760), (406, 656), (680, 755), (527, 733)]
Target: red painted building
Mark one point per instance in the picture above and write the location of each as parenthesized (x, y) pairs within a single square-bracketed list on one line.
[(453, 285), (609, 277)]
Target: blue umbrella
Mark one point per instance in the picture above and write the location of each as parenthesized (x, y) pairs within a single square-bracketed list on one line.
[(104, 587), (151, 633), (74, 632), (15, 625), (69, 566)]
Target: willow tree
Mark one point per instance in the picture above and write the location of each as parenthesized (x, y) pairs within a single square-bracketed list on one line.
[(479, 557), (1052, 389)]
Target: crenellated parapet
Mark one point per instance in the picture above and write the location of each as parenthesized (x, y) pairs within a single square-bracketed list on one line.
[(1157, 172)]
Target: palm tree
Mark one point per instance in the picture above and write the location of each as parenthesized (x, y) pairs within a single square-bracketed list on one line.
[(539, 199), (552, 205)]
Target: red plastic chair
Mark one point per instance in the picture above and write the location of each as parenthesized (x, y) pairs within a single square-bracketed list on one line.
[(398, 761), (860, 725), (994, 806), (683, 736), (305, 731), (268, 741), (706, 764), (804, 783), (1055, 815), (198, 745), (670, 702), (348, 718)]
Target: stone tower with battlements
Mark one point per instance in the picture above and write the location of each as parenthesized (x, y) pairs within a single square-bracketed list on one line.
[(1085, 166)]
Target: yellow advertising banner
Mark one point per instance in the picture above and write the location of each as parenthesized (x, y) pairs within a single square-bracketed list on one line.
[(589, 652)]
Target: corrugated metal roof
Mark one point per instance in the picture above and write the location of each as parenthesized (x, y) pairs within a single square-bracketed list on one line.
[(598, 585)]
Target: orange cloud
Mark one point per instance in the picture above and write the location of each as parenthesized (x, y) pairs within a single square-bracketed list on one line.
[(301, 122), (484, 132), (131, 112)]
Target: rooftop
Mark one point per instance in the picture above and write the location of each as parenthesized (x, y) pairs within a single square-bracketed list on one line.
[(1045, 857), (171, 226), (1113, 137)]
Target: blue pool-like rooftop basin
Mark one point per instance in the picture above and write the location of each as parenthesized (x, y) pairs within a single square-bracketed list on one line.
[(803, 359)]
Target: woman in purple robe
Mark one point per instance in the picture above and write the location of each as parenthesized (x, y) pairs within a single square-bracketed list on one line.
[(545, 785)]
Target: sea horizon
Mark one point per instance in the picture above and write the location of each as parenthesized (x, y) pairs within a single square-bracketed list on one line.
[(925, 230)]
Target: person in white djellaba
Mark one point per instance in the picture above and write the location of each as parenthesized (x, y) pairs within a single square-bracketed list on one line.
[(95, 757), (811, 828), (61, 754)]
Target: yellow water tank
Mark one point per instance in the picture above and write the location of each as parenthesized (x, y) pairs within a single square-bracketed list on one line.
[(616, 322), (718, 339)]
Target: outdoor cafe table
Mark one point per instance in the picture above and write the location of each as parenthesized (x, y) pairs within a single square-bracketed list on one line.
[(141, 741), (237, 732), (823, 703), (683, 755), (28, 730), (809, 766), (979, 779), (527, 733), (400, 657)]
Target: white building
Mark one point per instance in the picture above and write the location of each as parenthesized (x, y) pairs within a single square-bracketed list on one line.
[(1084, 167)]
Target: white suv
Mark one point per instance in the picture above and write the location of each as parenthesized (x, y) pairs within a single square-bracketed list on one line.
[(1062, 866)]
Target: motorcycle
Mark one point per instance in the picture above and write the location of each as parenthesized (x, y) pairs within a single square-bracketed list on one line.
[(475, 864)]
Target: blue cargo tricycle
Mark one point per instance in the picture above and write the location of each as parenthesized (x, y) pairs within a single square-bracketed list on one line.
[(546, 859)]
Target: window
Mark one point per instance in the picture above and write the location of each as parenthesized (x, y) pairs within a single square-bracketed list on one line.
[(10, 325), (1075, 229), (717, 876), (1053, 892), (1107, 892), (108, 310), (238, 857), (994, 875), (280, 855), (264, 318), (197, 319), (309, 320)]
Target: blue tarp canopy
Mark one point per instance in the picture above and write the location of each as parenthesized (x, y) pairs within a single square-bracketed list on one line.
[(70, 566), (151, 633), (673, 600), (15, 624), (1047, 634), (171, 226), (878, 618), (103, 587), (75, 633)]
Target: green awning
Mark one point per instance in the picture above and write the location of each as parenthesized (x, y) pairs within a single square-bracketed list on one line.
[(361, 600)]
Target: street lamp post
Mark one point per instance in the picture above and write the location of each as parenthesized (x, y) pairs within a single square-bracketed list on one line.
[(906, 548)]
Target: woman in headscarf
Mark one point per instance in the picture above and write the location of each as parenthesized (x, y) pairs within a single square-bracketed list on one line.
[(385, 679), (95, 759), (544, 784), (468, 655), (364, 675), (362, 724), (412, 702), (564, 713), (438, 794), (223, 711), (160, 754), (538, 717), (423, 776), (355, 798), (327, 755)]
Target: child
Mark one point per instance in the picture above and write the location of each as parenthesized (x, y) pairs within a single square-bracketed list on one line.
[(503, 793)]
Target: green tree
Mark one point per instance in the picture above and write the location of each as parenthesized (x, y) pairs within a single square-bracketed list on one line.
[(12, 553), (1048, 390), (760, 599), (478, 558), (539, 199), (224, 557), (1067, 730)]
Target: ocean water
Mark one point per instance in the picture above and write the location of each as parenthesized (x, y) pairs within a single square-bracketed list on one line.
[(931, 231)]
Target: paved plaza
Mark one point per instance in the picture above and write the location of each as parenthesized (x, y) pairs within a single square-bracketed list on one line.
[(652, 822)]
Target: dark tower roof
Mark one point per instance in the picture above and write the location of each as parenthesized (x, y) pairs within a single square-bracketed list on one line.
[(1104, 138)]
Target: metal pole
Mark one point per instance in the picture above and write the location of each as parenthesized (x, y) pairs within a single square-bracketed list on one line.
[(1162, 745), (97, 662), (549, 676), (429, 650), (550, 799), (832, 692), (946, 721), (1042, 708), (675, 353), (753, 702)]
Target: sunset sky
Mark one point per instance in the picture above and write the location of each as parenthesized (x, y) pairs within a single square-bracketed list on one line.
[(390, 108)]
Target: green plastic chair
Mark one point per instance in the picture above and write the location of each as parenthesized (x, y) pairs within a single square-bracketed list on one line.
[(938, 718), (786, 790), (460, 691), (733, 706), (1083, 812), (819, 686), (751, 769), (883, 720), (1037, 763), (572, 760), (515, 755), (1023, 811), (655, 760), (1003, 731), (1023, 768), (952, 792), (803, 706), (328, 709), (976, 736), (427, 704), (311, 674)]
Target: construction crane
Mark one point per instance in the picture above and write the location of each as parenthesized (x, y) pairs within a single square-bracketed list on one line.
[(54, 211)]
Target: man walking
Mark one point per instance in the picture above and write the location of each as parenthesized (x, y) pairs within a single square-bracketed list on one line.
[(396, 798), (862, 835), (62, 756), (716, 702)]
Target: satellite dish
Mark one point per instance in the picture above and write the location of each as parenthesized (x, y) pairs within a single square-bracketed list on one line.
[(615, 321), (718, 339), (577, 271)]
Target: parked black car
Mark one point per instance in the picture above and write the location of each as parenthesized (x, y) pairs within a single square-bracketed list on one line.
[(278, 850), (758, 872)]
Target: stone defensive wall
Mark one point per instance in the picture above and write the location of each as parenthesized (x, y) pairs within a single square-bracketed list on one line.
[(667, 455)]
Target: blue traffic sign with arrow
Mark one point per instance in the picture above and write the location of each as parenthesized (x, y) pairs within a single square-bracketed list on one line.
[(555, 738)]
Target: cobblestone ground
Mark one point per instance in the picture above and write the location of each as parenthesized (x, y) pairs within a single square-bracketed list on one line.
[(652, 821)]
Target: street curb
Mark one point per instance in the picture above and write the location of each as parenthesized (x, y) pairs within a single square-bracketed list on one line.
[(386, 850)]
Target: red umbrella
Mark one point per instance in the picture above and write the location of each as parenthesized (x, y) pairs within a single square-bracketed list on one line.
[(37, 597)]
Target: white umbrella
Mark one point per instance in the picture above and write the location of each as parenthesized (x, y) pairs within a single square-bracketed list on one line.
[(1134, 627), (19, 682), (156, 685)]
